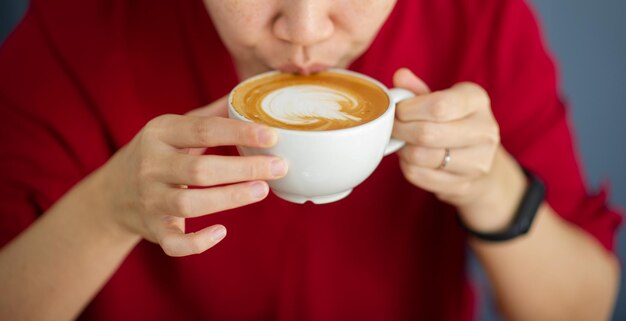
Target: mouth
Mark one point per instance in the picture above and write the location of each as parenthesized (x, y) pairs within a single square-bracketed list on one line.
[(303, 70)]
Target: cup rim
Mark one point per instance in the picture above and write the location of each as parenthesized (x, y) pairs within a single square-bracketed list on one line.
[(380, 85)]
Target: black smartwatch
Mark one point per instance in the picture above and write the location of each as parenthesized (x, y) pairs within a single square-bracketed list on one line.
[(524, 216)]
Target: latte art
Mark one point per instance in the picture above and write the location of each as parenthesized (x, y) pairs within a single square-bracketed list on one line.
[(309, 104), (322, 101)]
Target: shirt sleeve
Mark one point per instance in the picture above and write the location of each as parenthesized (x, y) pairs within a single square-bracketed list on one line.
[(42, 117), (521, 79)]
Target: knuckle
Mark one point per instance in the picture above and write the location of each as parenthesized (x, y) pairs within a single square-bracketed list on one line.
[(156, 122), (470, 85), (169, 251), (411, 172), (405, 155), (479, 94), (426, 178), (239, 195), (495, 135), (258, 168), (426, 134), (146, 200), (262, 168), (196, 246), (204, 129), (248, 134), (403, 111), (478, 169), (253, 169), (400, 115), (154, 126), (483, 169), (181, 204), (408, 173), (197, 171), (490, 136), (417, 156), (169, 247), (440, 107)]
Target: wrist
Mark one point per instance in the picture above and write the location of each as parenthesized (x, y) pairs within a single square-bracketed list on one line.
[(97, 192), (500, 195), (524, 214)]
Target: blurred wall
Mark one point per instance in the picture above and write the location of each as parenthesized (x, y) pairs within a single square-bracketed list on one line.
[(10, 13), (588, 39)]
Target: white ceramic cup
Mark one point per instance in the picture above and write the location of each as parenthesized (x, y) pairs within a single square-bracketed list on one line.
[(324, 166)]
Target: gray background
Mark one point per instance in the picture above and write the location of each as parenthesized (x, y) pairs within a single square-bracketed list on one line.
[(588, 39)]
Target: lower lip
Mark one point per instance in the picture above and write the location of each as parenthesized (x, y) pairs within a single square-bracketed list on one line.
[(318, 68), (310, 70)]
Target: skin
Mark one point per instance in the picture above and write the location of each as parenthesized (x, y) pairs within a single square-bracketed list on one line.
[(140, 192)]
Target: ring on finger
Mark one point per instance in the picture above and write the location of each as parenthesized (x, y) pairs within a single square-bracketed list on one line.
[(446, 159)]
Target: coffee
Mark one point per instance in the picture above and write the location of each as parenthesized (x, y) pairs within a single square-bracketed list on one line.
[(324, 164), (322, 101)]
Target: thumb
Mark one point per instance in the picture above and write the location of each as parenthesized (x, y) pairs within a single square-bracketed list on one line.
[(405, 78), (214, 109)]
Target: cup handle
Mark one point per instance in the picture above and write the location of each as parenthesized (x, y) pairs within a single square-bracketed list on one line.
[(397, 95)]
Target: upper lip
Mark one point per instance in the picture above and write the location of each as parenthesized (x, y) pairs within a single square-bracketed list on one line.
[(303, 69)]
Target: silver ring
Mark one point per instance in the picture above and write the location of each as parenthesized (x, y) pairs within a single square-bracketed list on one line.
[(445, 160)]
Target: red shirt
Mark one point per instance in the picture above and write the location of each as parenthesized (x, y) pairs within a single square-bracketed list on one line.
[(78, 79)]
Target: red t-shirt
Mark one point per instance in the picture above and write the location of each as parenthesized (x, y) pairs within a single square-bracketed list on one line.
[(78, 79)]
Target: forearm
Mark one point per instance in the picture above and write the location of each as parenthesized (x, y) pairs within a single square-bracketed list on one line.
[(56, 266), (555, 272)]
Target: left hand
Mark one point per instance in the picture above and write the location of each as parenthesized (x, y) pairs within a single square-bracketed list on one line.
[(459, 120)]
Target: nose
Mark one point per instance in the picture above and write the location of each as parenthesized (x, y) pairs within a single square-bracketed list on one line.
[(304, 22)]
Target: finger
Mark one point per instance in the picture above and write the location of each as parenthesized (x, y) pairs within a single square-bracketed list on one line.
[(196, 151), (455, 103), (209, 170), (436, 181), (454, 134), (196, 132), (405, 78), (431, 158), (217, 108), (197, 202), (175, 242), (471, 162)]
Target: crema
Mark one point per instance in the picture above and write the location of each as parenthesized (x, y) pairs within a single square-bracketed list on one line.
[(322, 101)]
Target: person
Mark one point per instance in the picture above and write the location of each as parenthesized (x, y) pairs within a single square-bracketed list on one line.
[(111, 110)]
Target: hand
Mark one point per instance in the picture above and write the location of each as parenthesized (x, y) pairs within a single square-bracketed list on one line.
[(457, 120), (146, 181)]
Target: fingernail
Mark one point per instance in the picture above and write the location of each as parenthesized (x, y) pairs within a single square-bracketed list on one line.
[(258, 190), (267, 137), (278, 168), (218, 234)]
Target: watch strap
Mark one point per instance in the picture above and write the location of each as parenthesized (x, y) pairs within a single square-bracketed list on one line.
[(524, 216)]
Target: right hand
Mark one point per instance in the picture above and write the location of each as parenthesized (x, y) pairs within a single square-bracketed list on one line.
[(146, 181)]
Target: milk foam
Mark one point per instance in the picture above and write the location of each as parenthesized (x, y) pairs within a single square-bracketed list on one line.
[(306, 104)]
